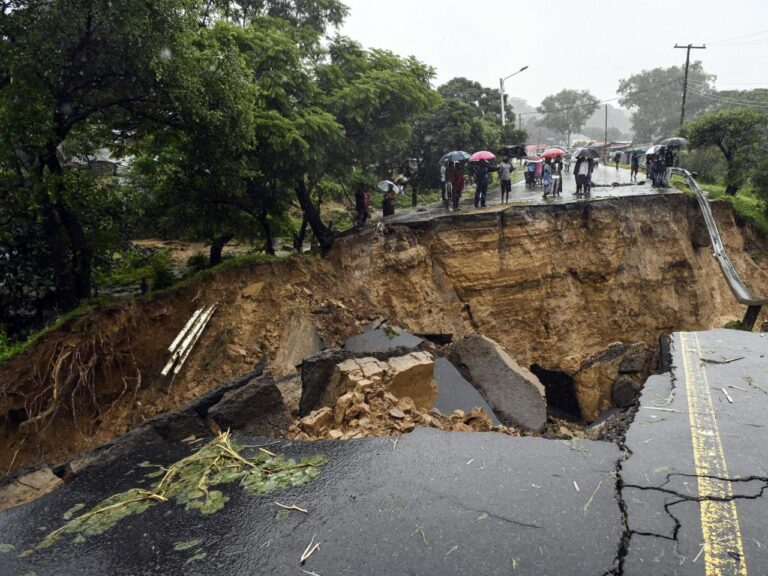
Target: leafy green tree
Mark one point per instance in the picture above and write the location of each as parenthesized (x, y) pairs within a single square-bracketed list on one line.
[(66, 64), (453, 125), (736, 133), (487, 100), (567, 111), (655, 97)]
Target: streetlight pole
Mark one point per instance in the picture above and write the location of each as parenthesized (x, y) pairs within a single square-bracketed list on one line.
[(501, 91)]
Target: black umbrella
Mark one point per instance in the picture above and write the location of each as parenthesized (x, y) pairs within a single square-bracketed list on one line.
[(455, 156), (587, 153), (513, 151), (675, 142)]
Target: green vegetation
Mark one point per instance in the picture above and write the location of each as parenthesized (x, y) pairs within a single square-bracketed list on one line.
[(130, 267), (191, 483)]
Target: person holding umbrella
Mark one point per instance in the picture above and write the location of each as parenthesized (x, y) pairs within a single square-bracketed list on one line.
[(457, 185), (388, 204), (481, 184)]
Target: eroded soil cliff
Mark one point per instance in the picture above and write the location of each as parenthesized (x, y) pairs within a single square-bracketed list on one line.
[(552, 284)]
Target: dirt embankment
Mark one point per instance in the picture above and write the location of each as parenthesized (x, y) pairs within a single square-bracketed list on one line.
[(545, 282)]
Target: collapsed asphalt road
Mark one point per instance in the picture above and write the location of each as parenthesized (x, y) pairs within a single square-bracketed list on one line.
[(681, 495)]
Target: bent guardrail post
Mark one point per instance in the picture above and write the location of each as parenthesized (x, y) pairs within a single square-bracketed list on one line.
[(734, 281)]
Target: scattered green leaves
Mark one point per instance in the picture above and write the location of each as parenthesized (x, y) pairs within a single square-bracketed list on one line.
[(76, 508), (196, 557), (186, 545), (190, 482), (6, 548)]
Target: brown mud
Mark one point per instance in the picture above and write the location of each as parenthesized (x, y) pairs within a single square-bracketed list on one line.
[(547, 283)]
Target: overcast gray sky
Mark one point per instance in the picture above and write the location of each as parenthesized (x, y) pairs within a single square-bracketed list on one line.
[(584, 44)]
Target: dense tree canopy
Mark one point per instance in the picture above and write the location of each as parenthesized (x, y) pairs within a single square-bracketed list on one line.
[(655, 98), (567, 111), (736, 133)]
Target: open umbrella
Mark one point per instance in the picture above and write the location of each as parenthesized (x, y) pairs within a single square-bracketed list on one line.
[(674, 142), (482, 155), (455, 156), (385, 184), (587, 153), (653, 150), (534, 159), (553, 153), (513, 151)]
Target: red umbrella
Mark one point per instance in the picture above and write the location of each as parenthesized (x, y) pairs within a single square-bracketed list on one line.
[(552, 153), (482, 155)]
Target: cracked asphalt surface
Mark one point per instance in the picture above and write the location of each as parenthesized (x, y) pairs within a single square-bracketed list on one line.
[(683, 516), (472, 503)]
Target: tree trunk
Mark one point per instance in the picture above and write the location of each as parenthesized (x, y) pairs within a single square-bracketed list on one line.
[(73, 283), (217, 247), (414, 194), (267, 230), (322, 233), (298, 239)]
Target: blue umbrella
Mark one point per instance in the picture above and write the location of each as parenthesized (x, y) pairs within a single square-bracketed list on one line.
[(455, 156)]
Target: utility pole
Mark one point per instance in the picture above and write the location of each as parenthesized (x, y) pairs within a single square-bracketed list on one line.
[(688, 49), (605, 148)]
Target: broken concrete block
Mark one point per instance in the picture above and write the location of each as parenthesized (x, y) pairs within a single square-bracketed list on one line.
[(454, 392), (625, 390), (27, 486), (515, 394), (316, 422), (412, 376), (256, 408), (636, 360), (343, 404), (299, 339)]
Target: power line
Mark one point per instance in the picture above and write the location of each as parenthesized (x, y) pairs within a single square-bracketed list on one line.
[(728, 100), (718, 42)]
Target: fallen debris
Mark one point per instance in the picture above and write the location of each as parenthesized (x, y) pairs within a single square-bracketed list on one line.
[(370, 410)]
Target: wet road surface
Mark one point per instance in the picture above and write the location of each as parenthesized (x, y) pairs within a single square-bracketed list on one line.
[(603, 179), (694, 482)]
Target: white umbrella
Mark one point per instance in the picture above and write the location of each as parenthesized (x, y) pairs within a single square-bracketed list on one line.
[(385, 184)]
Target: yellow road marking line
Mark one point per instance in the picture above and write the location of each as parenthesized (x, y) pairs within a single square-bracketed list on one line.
[(723, 546)]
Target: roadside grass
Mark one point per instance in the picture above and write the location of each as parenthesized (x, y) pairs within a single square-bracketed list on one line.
[(746, 203)]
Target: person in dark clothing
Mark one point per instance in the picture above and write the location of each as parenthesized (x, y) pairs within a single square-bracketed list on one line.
[(388, 204), (634, 164), (657, 169), (481, 184), (583, 170), (457, 185), (361, 208), (617, 159)]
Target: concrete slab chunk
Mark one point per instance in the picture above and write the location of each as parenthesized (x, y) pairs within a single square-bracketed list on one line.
[(515, 394)]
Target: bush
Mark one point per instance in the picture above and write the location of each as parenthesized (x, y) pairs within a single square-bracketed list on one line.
[(162, 275), (197, 262)]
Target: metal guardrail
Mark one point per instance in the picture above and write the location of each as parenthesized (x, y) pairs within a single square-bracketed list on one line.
[(735, 283)]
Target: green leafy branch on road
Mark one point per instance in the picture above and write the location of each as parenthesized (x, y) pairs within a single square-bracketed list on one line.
[(191, 482)]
